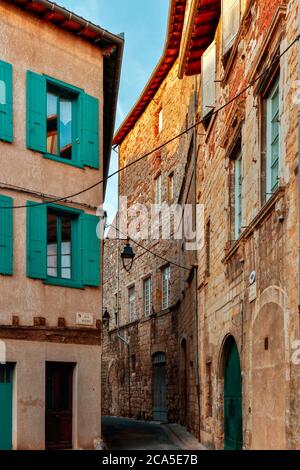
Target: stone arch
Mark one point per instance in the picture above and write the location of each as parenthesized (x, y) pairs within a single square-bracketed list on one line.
[(223, 351), (268, 371)]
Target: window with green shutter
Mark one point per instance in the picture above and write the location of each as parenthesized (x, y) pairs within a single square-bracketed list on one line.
[(90, 250), (36, 240), (62, 121), (272, 139), (6, 235), (6, 102), (62, 246)]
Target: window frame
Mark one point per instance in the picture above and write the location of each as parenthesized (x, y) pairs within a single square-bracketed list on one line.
[(269, 96), (59, 242), (236, 193), (165, 299), (132, 303), (160, 123), (76, 281), (60, 88), (158, 189), (147, 312), (171, 196)]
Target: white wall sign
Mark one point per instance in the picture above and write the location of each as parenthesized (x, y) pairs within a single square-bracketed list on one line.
[(252, 292), (85, 319)]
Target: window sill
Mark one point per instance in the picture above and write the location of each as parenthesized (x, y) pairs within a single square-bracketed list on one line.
[(49, 156), (63, 283)]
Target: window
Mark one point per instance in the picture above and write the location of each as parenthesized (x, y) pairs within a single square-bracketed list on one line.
[(60, 117), (147, 297), (59, 246), (131, 300), (6, 102), (272, 139), (171, 188), (166, 274), (209, 80), (62, 246), (231, 17), (6, 235), (133, 363), (236, 187), (160, 121), (207, 248), (158, 191), (62, 121)]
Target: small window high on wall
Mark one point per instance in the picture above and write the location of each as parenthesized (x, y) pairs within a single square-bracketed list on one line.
[(209, 80)]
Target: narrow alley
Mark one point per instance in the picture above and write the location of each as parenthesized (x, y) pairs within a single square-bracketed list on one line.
[(129, 434)]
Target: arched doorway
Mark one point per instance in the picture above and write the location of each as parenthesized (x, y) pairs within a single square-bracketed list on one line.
[(183, 382), (233, 412), (159, 388)]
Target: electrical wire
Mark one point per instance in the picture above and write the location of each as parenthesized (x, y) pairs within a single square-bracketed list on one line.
[(148, 250), (156, 149)]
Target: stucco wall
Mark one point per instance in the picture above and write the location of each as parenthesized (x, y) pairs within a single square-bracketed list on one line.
[(31, 44), (29, 392)]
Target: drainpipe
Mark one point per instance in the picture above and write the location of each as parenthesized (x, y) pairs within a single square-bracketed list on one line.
[(197, 375)]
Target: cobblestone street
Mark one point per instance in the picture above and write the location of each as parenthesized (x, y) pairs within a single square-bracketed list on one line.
[(123, 433)]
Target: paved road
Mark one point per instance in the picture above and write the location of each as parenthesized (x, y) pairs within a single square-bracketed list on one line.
[(122, 433)]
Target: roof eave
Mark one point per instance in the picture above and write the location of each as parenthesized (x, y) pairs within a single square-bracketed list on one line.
[(143, 101)]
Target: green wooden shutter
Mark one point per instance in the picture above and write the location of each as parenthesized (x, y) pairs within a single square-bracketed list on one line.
[(90, 250), (36, 112), (6, 102), (36, 240), (90, 130), (6, 235)]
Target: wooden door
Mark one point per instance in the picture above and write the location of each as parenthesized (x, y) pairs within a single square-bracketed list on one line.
[(59, 397), (233, 422), (6, 388), (159, 388)]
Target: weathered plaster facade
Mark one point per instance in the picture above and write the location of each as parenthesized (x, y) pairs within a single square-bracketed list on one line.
[(38, 322)]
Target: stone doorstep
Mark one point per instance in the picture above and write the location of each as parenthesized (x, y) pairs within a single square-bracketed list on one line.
[(181, 437)]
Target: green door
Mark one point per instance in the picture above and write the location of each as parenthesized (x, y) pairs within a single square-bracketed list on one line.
[(233, 421), (5, 407)]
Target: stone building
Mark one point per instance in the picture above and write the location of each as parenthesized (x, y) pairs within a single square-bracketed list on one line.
[(59, 78), (242, 57), (153, 374), (248, 184)]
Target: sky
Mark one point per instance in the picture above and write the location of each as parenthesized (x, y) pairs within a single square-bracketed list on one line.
[(144, 24)]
